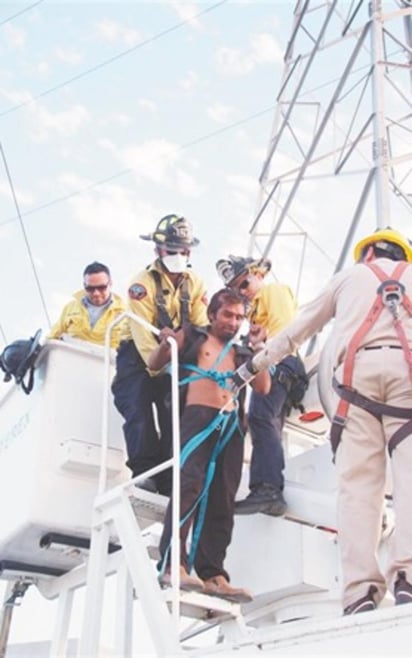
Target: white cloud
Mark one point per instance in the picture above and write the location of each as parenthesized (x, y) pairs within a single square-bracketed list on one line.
[(66, 123), (42, 68), (14, 96), (23, 198), (188, 186), (158, 161), (111, 31), (231, 62), (266, 49), (221, 113), (16, 36), (151, 159), (263, 49), (112, 210), (244, 190), (186, 12), (189, 81), (148, 104), (68, 56)]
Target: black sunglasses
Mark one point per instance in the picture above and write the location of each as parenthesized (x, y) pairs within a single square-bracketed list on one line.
[(101, 288)]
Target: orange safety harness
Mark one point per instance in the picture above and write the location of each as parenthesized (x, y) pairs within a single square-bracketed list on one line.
[(390, 294)]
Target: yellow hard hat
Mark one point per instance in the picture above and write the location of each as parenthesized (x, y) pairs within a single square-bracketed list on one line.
[(385, 236)]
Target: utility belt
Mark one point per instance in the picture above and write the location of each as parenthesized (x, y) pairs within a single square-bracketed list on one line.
[(376, 409)]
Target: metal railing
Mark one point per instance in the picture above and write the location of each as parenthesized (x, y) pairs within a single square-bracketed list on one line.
[(174, 462)]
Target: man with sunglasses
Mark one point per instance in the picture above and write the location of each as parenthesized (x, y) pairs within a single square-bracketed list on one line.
[(92, 309), (271, 307), (166, 294)]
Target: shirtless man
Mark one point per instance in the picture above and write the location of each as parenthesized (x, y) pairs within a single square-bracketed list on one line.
[(208, 351)]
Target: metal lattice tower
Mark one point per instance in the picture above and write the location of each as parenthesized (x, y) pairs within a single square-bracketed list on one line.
[(339, 159)]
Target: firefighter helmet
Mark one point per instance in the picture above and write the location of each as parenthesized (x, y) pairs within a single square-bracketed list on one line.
[(18, 358), (173, 232), (229, 269), (389, 240)]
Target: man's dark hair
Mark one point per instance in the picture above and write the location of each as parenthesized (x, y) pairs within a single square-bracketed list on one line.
[(95, 268), (384, 249), (225, 296)]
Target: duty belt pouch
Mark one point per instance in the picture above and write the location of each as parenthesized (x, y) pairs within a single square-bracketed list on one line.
[(291, 374)]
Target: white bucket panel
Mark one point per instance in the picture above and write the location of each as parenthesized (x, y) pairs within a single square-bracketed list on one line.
[(50, 453), (271, 555)]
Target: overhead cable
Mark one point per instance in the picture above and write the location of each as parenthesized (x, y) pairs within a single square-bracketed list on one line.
[(19, 13), (110, 60), (13, 193), (129, 170)]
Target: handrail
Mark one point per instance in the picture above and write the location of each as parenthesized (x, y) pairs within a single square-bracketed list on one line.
[(175, 544)]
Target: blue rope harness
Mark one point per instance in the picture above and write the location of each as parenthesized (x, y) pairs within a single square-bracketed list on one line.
[(227, 422)]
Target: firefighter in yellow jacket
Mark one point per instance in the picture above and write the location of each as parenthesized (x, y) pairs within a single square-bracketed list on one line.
[(165, 294), (88, 315), (271, 307)]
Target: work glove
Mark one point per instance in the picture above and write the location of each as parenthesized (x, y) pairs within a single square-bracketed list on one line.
[(242, 376)]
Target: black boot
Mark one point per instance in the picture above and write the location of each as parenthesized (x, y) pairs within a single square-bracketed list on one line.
[(403, 589), (365, 604), (263, 498)]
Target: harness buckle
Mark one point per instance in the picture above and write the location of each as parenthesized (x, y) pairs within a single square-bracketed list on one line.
[(392, 292), (339, 420)]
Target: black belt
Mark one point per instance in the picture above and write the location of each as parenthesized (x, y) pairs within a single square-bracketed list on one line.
[(380, 347)]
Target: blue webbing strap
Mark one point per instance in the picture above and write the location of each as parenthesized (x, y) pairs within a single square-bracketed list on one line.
[(217, 375), (221, 419), (204, 495)]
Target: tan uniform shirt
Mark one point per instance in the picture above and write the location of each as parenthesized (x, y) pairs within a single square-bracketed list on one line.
[(347, 298)]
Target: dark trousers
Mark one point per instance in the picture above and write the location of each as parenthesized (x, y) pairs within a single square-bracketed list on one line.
[(217, 528), (134, 393), (266, 418)]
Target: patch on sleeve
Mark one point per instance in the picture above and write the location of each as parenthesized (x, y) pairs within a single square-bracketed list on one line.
[(137, 292)]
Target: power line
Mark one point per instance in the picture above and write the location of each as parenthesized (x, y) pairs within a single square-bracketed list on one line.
[(112, 59), (43, 301), (129, 170), (19, 13)]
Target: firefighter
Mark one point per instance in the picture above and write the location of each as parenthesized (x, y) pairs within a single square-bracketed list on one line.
[(370, 343), (166, 294), (271, 307), (92, 309)]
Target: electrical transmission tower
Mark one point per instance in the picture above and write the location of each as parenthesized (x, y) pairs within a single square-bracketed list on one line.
[(339, 159)]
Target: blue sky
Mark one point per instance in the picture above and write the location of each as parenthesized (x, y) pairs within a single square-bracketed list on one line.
[(113, 114), (163, 109)]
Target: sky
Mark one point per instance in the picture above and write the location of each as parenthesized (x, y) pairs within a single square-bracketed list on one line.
[(113, 114)]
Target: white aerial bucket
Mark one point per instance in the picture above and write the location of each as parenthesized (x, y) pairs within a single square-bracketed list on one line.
[(50, 460)]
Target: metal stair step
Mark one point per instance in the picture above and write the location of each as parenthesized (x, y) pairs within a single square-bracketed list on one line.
[(148, 507), (202, 606)]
